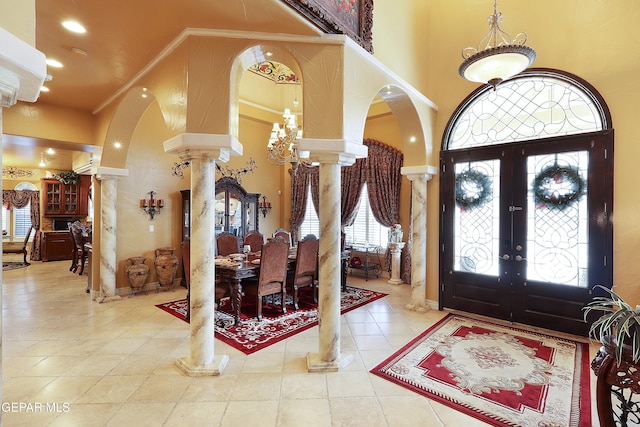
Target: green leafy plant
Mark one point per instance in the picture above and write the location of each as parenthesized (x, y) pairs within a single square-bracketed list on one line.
[(619, 319)]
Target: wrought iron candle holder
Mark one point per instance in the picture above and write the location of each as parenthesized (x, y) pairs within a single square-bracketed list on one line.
[(151, 206), (264, 206)]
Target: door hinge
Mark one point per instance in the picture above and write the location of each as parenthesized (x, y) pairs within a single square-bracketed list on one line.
[(515, 208)]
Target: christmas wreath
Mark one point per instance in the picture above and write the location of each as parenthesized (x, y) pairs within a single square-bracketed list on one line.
[(473, 189), (67, 177), (558, 187)]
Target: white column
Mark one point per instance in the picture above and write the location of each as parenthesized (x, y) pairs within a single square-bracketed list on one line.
[(396, 251), (202, 151), (108, 219), (418, 175), (331, 155)]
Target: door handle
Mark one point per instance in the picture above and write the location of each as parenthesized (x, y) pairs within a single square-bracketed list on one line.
[(520, 258), (506, 257)]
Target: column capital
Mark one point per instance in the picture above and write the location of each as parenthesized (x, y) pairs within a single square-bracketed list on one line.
[(334, 151), (417, 173), (102, 173), (23, 70), (190, 146)]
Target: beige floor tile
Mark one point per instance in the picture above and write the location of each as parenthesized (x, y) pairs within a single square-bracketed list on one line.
[(115, 363), (196, 414), (252, 413), (307, 412)]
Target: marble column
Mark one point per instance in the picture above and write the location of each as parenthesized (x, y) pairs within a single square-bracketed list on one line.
[(108, 219), (202, 151), (329, 358), (418, 175), (396, 251)]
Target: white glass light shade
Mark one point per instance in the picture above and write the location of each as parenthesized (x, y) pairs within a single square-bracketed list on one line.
[(494, 65)]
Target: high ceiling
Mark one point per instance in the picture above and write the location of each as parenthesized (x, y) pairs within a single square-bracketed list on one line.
[(125, 35), (122, 37)]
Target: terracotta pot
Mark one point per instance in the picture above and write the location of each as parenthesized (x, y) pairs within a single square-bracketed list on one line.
[(166, 265), (137, 271)]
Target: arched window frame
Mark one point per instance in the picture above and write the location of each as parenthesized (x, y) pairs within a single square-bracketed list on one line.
[(589, 92)]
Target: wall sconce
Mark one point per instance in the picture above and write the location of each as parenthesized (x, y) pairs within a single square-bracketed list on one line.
[(264, 206), (151, 206)]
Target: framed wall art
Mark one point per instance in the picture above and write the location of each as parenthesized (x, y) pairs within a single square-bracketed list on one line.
[(354, 18)]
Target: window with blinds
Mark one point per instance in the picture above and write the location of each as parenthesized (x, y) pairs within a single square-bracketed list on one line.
[(22, 220), (365, 229)]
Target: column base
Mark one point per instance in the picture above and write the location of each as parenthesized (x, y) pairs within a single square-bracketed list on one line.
[(314, 364), (101, 299), (215, 369), (394, 281), (418, 308)]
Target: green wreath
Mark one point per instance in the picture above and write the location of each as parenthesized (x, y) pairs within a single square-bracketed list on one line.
[(67, 178), (473, 189), (558, 187)]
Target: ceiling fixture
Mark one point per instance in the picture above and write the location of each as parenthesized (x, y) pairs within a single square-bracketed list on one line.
[(497, 56), (42, 163), (54, 63), (51, 151), (74, 27), (283, 143)]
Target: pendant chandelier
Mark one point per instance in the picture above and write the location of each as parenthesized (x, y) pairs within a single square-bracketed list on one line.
[(284, 142), (497, 56)]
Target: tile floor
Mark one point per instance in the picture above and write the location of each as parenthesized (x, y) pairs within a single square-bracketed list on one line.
[(112, 364)]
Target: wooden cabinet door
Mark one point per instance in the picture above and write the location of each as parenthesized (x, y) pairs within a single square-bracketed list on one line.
[(52, 197)]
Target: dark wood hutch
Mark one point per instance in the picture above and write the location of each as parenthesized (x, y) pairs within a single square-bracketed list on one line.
[(236, 209)]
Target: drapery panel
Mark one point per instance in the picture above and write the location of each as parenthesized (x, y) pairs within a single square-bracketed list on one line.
[(380, 171), (299, 185), (20, 199)]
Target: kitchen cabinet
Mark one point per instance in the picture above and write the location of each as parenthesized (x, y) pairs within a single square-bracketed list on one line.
[(61, 199)]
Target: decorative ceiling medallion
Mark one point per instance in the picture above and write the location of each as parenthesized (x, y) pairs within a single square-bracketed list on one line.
[(274, 71), (15, 173)]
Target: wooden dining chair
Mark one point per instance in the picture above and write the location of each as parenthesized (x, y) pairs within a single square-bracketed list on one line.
[(272, 277), (227, 244), (304, 274), (18, 247), (222, 289), (255, 239), (281, 232), (80, 254)]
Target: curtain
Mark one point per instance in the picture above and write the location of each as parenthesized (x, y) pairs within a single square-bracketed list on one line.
[(20, 199), (352, 179), (299, 185), (383, 181)]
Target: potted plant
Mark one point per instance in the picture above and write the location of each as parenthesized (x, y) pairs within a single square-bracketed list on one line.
[(618, 325), (618, 329)]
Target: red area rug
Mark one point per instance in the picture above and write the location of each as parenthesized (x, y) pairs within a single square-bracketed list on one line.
[(501, 375), (252, 335)]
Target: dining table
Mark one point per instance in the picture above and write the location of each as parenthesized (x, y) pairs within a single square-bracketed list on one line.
[(237, 267)]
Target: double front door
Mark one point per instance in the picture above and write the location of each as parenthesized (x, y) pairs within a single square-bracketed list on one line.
[(526, 229)]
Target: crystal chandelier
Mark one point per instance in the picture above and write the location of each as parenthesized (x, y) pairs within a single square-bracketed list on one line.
[(283, 143), (497, 56)]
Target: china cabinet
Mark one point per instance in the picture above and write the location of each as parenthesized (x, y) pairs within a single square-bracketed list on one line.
[(66, 199), (236, 210)]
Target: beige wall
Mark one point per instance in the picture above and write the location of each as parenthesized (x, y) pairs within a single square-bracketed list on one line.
[(19, 18)]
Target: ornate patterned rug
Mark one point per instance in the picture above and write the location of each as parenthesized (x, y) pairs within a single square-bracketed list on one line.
[(252, 335), (504, 376), (12, 265)]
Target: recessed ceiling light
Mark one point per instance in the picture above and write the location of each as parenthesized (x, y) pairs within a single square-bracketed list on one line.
[(117, 144), (51, 151), (54, 63), (44, 89), (74, 26), (412, 139), (78, 51), (268, 53)]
